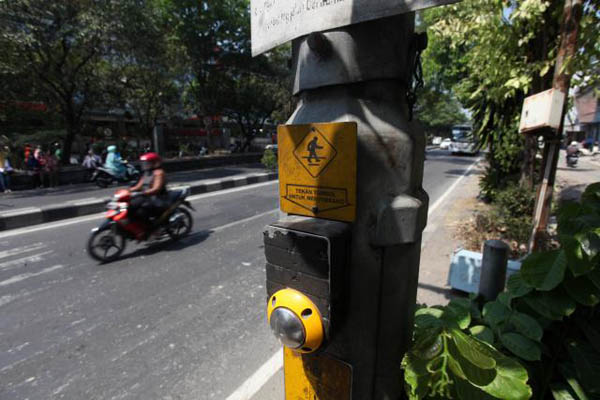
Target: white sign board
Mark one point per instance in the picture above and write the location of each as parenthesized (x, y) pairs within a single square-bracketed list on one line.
[(275, 22), (542, 110)]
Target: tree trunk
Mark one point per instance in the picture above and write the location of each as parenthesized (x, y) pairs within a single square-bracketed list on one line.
[(72, 130), (528, 168)]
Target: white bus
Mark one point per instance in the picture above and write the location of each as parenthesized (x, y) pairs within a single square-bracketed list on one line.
[(463, 141)]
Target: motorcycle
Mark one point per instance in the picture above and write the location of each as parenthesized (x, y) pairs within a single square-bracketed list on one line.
[(104, 176), (572, 160), (107, 242)]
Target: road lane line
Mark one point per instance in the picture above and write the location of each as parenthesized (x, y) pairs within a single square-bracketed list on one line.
[(20, 250), (441, 199), (25, 260), (253, 384), (241, 221), (93, 217), (250, 387), (22, 277)]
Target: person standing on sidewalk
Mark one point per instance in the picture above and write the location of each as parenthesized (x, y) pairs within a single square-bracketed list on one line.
[(5, 171), (50, 169), (34, 167)]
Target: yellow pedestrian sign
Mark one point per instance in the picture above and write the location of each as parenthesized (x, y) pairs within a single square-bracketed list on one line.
[(317, 170)]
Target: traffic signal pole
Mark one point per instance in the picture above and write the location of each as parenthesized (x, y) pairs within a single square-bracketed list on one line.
[(361, 73)]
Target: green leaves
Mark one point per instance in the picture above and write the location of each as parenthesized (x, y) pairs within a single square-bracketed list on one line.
[(482, 333), (473, 350), (465, 367), (582, 290), (521, 346), (587, 365), (494, 313), (552, 305), (517, 287), (544, 270), (547, 318), (526, 325)]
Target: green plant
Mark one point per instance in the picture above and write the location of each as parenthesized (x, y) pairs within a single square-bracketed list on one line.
[(269, 159), (540, 338)]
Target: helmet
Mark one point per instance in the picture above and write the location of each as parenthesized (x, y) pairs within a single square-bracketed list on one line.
[(574, 143), (112, 148), (150, 161)]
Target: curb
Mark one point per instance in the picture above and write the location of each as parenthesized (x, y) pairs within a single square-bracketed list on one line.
[(39, 215)]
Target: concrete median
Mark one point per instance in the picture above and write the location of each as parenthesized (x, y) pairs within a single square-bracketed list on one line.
[(29, 216)]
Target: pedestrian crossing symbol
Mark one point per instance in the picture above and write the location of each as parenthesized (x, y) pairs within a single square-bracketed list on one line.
[(314, 152), (317, 169)]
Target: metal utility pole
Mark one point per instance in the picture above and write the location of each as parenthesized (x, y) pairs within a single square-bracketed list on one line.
[(343, 264), (561, 82)]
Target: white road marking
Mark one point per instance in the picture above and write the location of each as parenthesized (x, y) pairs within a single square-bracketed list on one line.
[(67, 222), (19, 211), (242, 221), (451, 188), (25, 260), (253, 384), (22, 277), (20, 250)]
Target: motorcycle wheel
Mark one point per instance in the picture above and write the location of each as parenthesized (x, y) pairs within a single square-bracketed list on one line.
[(103, 182), (105, 245), (179, 224)]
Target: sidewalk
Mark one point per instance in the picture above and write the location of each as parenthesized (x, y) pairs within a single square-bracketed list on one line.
[(571, 182), (38, 206)]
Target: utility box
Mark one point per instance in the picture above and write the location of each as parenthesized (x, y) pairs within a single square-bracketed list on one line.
[(542, 111)]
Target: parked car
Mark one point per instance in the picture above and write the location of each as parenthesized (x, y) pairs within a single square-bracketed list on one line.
[(437, 140), (445, 144)]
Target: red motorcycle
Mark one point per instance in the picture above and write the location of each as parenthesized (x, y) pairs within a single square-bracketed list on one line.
[(107, 242)]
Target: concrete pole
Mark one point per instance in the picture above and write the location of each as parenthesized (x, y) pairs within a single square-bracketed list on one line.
[(493, 269), (361, 73)]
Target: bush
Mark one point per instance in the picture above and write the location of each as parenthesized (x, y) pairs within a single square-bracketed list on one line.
[(515, 201), (269, 159), (539, 339)]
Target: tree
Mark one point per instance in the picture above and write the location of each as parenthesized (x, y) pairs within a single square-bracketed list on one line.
[(225, 78), (146, 64), (437, 107), (494, 53), (57, 46)]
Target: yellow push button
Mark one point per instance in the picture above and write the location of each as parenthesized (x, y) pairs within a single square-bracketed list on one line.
[(295, 320)]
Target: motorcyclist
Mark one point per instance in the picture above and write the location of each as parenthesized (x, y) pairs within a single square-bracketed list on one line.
[(572, 153), (573, 149), (114, 163), (152, 188)]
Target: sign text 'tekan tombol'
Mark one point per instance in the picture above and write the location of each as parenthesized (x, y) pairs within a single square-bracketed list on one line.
[(317, 170), (275, 22)]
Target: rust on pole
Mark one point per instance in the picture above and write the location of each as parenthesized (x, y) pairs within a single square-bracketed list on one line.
[(561, 81)]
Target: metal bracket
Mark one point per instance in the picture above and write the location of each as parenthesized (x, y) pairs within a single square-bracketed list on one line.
[(400, 221)]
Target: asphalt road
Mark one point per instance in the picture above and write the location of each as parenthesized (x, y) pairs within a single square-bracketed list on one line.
[(168, 321)]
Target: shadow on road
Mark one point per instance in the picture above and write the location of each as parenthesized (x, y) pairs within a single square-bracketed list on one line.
[(459, 172), (448, 293), (167, 245)]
